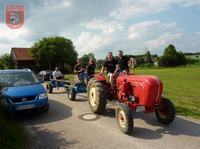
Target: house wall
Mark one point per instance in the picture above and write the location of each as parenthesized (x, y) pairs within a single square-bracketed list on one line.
[(26, 64)]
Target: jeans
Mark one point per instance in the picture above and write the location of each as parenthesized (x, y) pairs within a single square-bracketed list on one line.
[(83, 77)]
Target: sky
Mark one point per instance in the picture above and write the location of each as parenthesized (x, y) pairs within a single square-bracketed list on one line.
[(100, 26)]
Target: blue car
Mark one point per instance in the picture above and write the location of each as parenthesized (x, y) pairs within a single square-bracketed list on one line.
[(21, 90)]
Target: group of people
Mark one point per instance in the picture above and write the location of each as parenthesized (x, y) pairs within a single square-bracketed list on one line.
[(113, 66), (83, 71)]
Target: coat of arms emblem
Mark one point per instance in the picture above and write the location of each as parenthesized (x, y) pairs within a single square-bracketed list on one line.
[(15, 16)]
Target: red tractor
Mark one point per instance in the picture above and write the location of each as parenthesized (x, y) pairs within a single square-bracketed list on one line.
[(140, 93)]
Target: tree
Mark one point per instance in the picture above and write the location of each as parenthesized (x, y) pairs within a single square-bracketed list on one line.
[(149, 59), (86, 57), (100, 63), (54, 51), (6, 61), (2, 66), (171, 57), (181, 58)]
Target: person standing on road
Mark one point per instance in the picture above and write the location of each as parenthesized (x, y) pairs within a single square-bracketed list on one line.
[(57, 75)]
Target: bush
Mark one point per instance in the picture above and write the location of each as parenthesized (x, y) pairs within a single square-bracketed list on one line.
[(67, 69), (171, 58), (191, 61), (2, 66), (167, 61)]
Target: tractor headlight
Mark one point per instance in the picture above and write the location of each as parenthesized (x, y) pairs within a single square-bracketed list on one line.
[(43, 95)]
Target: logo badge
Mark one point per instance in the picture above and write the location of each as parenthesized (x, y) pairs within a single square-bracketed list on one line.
[(24, 99), (15, 16)]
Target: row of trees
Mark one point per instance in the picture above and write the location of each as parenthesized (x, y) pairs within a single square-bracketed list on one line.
[(59, 51)]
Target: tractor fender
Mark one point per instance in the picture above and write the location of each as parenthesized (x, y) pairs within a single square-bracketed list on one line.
[(100, 77)]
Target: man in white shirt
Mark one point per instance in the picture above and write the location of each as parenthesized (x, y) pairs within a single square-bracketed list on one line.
[(57, 75)]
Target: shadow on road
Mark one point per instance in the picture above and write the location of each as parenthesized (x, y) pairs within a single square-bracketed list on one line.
[(145, 133), (180, 126), (109, 112), (81, 97), (43, 138), (59, 92), (57, 111)]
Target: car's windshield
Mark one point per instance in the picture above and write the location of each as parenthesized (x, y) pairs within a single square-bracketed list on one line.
[(17, 79)]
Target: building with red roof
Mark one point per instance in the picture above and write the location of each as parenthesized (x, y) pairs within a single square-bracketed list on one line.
[(23, 58)]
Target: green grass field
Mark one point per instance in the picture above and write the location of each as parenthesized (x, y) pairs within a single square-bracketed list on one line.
[(181, 85)]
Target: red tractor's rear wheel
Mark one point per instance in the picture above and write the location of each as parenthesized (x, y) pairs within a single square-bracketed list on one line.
[(165, 113), (125, 118), (97, 96)]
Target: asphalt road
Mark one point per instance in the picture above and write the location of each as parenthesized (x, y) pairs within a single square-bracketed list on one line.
[(62, 128)]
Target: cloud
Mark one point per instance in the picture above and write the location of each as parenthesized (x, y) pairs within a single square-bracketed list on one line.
[(99, 26), (11, 35), (104, 25), (163, 40), (130, 8), (88, 42), (14, 37), (154, 34)]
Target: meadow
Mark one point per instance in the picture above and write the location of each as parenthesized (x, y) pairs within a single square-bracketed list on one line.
[(181, 85)]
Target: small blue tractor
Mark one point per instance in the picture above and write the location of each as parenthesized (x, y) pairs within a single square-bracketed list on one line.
[(80, 86), (56, 83)]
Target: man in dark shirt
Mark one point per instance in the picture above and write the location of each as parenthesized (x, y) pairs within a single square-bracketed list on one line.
[(109, 64), (122, 62), (91, 68), (80, 69)]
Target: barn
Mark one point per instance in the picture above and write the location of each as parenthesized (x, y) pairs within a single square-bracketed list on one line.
[(23, 58)]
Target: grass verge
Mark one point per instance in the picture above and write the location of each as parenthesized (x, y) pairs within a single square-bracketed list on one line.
[(12, 134)]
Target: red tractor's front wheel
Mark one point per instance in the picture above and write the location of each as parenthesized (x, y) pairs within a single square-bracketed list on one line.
[(125, 118), (165, 113)]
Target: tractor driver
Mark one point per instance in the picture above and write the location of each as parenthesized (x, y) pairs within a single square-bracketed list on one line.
[(57, 75), (109, 65)]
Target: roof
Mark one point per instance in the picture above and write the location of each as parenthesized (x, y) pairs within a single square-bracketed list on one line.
[(20, 54)]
